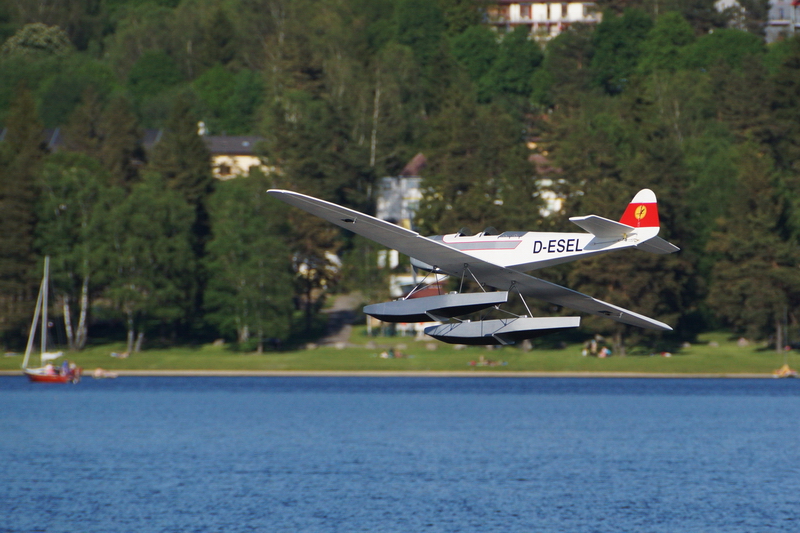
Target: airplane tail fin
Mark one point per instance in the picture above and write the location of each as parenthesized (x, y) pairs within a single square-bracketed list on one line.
[(641, 216), (642, 211)]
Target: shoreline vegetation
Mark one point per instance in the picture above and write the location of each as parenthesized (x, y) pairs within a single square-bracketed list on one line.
[(714, 355)]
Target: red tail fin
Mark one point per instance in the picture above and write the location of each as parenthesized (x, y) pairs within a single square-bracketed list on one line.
[(642, 212)]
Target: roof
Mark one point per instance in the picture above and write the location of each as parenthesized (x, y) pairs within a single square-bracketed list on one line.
[(216, 144), (414, 166), (232, 144)]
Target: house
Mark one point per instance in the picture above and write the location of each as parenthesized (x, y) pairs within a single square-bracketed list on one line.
[(782, 20), (545, 20), (231, 155), (398, 197), (234, 155)]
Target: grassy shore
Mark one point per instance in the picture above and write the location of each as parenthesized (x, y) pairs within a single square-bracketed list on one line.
[(716, 353)]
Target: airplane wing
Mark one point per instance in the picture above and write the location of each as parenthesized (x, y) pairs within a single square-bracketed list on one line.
[(455, 262)]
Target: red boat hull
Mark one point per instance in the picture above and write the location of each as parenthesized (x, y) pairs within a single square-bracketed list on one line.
[(41, 377)]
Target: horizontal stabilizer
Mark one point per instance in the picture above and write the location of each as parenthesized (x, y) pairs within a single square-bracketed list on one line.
[(657, 245), (602, 227)]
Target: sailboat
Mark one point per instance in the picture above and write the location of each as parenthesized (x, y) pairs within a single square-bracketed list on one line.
[(46, 372)]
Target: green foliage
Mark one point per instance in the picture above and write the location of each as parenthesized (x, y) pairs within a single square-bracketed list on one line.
[(755, 278), (345, 92), (727, 45), (60, 93), (477, 173), (476, 50), (36, 40), (511, 72), (152, 74), (564, 78), (249, 263), (181, 155), (663, 48), (75, 188), (21, 154), (148, 267), (618, 45), (229, 101)]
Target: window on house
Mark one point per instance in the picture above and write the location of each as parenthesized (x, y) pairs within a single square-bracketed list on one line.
[(525, 11), (224, 170)]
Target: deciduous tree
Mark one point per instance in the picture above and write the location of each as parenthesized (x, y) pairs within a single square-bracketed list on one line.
[(249, 291)]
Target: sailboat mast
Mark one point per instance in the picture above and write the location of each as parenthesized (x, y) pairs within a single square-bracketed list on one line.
[(32, 332), (46, 287)]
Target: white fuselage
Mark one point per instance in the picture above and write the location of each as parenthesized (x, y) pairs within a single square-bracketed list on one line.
[(531, 250)]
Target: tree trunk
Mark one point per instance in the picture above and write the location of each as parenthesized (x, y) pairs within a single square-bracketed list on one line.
[(619, 345), (244, 334), (68, 323), (139, 339), (81, 333), (129, 348), (309, 291), (779, 342), (373, 144)]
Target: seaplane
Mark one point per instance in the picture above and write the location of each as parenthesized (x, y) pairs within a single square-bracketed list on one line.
[(500, 262)]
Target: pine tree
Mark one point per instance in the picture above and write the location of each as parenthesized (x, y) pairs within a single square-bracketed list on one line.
[(122, 149), (108, 132), (181, 155), (755, 283), (21, 154), (477, 173), (182, 159)]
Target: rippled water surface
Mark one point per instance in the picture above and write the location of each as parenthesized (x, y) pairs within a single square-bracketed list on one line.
[(400, 455)]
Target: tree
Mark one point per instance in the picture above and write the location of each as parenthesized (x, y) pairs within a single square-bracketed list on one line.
[(83, 21), (107, 132), (148, 268), (727, 46), (786, 108), (477, 173), (36, 40), (229, 101), (461, 15), (249, 263), (74, 187), (755, 282), (476, 50), (182, 157), (511, 73), (663, 48), (618, 42), (60, 94), (183, 161), (420, 25), (121, 151), (154, 72), (564, 77), (21, 154)]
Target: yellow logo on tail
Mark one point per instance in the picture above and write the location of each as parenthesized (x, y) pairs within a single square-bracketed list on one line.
[(640, 212)]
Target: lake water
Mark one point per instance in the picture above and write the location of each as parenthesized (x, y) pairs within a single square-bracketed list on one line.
[(400, 455)]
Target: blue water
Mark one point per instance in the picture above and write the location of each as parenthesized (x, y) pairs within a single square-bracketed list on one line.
[(400, 455)]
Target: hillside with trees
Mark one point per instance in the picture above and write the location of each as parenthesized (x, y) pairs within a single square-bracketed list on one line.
[(146, 244)]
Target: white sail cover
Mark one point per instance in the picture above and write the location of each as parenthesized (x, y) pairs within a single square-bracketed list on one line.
[(49, 356)]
